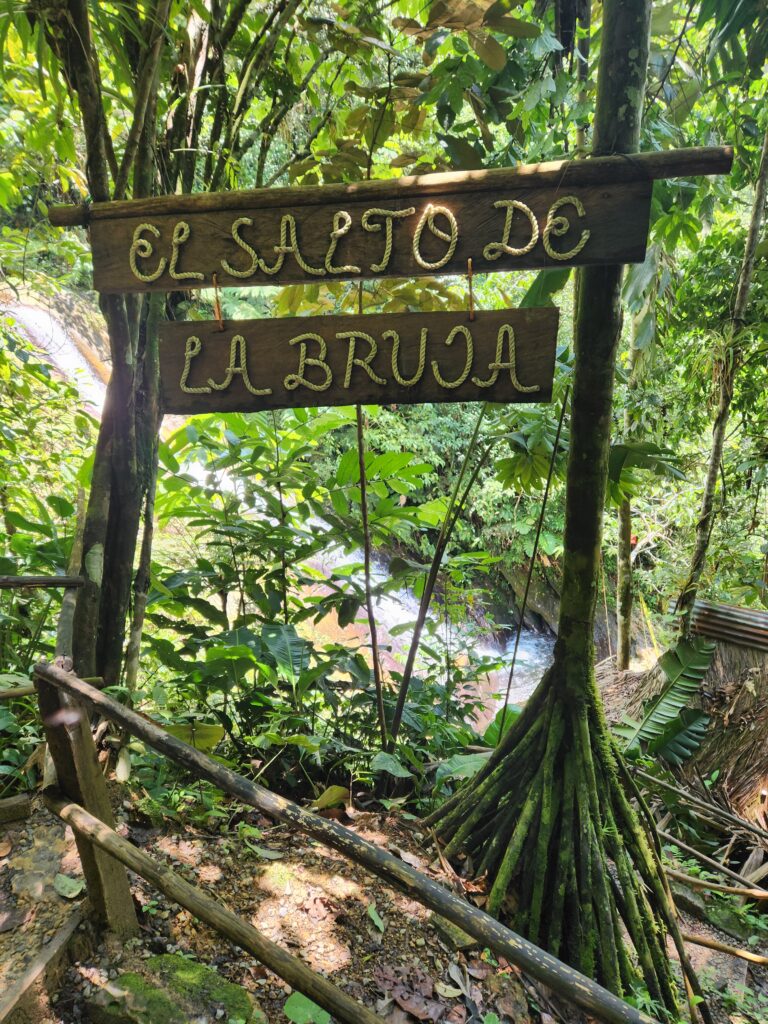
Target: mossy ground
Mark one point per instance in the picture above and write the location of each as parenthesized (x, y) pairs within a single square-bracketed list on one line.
[(173, 989)]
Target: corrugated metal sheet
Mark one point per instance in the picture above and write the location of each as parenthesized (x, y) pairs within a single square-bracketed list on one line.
[(744, 626)]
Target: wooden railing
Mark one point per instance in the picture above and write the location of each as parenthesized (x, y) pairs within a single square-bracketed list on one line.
[(40, 582), (81, 801)]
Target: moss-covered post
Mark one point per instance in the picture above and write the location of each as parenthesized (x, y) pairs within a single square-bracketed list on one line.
[(550, 819)]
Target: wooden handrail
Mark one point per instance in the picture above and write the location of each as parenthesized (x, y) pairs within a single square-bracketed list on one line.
[(207, 909), (563, 979), (39, 582), (17, 692)]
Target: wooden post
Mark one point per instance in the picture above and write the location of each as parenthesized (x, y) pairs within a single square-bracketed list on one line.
[(73, 752)]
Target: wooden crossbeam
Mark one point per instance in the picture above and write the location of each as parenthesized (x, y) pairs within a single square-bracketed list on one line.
[(39, 582), (668, 163)]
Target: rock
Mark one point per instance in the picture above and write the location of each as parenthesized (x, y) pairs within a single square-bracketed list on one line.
[(716, 912), (451, 933), (689, 899), (131, 999), (729, 921), (173, 990)]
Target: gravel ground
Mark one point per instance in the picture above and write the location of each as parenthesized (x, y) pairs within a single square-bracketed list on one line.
[(32, 853)]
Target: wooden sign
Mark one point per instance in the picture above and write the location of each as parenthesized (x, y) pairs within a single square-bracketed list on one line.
[(405, 358), (311, 239), (558, 214)]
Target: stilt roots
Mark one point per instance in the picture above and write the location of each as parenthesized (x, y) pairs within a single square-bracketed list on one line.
[(550, 822)]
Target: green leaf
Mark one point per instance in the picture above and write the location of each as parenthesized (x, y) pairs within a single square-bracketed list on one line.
[(264, 853), (331, 796), (374, 916), (69, 888), (289, 650), (546, 284), (384, 762), (461, 766), (200, 735), (682, 737), (348, 471), (300, 1010), (493, 733), (642, 455), (684, 666)]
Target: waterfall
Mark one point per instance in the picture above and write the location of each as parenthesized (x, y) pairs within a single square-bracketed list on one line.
[(50, 335)]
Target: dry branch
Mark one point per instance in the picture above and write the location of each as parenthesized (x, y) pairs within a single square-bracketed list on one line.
[(702, 883), (722, 947)]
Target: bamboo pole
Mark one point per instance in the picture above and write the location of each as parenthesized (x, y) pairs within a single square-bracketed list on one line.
[(702, 883), (711, 807), (38, 582), (671, 163), (17, 692), (564, 980), (722, 947), (709, 861), (207, 909)]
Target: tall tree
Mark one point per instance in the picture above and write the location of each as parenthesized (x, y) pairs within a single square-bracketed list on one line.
[(182, 84), (549, 820), (727, 367)]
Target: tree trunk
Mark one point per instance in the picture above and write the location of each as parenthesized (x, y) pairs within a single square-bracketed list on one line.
[(728, 367), (549, 821), (125, 450), (624, 587), (624, 596)]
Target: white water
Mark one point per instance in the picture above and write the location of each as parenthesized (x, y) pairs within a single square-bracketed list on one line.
[(391, 610), (49, 334), (534, 655)]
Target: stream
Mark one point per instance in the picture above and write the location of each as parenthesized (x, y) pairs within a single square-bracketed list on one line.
[(534, 655)]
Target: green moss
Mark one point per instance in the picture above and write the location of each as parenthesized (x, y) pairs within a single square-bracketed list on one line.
[(173, 990), (132, 999), (202, 985)]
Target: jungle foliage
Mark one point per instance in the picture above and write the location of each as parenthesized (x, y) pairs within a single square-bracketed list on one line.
[(250, 608)]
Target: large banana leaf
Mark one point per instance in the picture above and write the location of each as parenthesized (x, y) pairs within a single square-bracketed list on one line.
[(682, 737), (289, 650), (684, 667)]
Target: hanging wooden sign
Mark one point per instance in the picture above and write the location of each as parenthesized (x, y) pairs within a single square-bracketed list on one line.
[(550, 215), (405, 358)]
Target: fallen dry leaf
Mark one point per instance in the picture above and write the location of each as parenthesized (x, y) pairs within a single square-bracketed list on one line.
[(409, 858), (458, 1015), (5, 847), (447, 991)]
